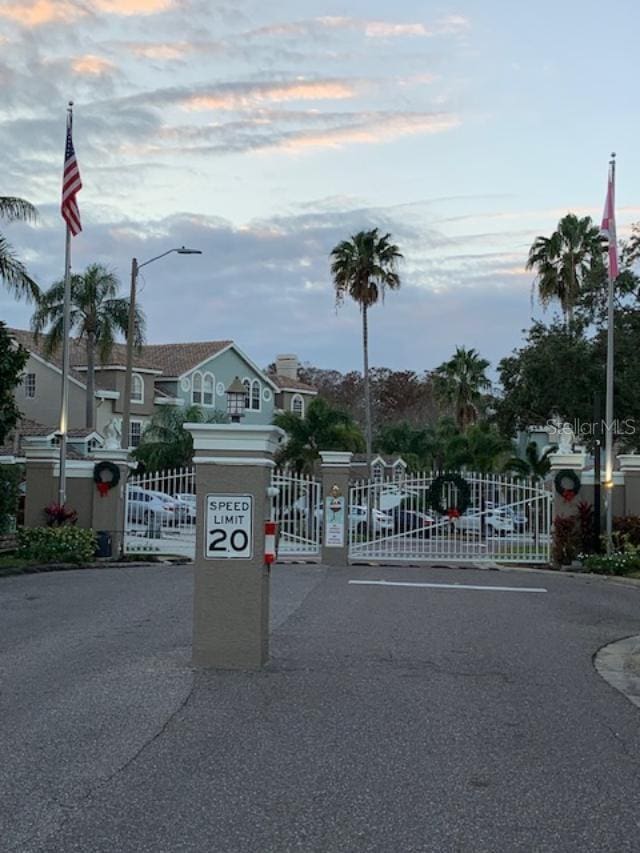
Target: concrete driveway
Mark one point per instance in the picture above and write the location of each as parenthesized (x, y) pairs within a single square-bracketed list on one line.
[(391, 718)]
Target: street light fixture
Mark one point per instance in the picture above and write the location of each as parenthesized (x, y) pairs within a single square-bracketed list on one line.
[(236, 400), (128, 376)]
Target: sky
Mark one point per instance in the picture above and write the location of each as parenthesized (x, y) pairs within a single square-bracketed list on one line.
[(265, 133)]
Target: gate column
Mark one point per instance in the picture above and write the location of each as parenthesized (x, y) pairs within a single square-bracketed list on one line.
[(233, 465), (336, 466)]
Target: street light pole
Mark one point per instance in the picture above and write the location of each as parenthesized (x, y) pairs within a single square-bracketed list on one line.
[(131, 330)]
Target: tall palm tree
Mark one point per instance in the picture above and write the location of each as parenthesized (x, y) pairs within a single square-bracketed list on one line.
[(98, 315), (459, 383), (564, 261), (362, 268), (12, 271)]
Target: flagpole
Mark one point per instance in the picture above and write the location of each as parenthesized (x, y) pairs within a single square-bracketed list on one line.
[(608, 470), (64, 401)]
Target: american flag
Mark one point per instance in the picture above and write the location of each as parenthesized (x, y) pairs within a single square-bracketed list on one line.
[(608, 226), (71, 184)]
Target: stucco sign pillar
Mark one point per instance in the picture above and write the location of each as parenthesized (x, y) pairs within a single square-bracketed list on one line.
[(336, 469), (233, 465)]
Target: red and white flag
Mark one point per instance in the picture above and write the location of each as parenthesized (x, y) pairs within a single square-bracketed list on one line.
[(608, 226), (71, 184)]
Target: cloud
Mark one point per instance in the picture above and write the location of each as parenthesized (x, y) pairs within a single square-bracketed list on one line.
[(380, 29), (90, 65), (36, 13), (234, 96), (371, 131)]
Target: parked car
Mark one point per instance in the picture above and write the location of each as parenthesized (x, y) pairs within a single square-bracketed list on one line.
[(186, 502), (380, 521), (145, 506), (519, 519), (497, 522), (411, 521)]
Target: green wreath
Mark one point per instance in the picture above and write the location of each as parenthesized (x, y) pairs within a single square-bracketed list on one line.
[(567, 490), (436, 495), (105, 484)]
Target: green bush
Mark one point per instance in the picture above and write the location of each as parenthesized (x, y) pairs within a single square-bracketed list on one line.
[(566, 540), (627, 528), (10, 479), (622, 562), (57, 544)]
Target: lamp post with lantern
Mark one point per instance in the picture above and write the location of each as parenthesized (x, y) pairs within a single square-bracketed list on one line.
[(236, 400)]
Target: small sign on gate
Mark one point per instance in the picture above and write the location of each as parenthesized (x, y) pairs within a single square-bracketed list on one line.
[(229, 527), (334, 522)]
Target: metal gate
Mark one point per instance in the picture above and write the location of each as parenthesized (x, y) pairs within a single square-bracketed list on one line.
[(506, 520), (297, 509), (160, 513)]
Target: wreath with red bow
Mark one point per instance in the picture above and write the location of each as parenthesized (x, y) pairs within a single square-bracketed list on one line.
[(438, 491), (567, 484), (106, 475)]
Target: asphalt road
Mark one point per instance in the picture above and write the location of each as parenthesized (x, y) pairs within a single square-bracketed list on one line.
[(390, 719)]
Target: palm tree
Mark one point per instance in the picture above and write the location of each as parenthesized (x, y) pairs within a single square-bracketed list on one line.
[(566, 260), (12, 271), (459, 383), (165, 443), (363, 267), (534, 465), (98, 314), (323, 428)]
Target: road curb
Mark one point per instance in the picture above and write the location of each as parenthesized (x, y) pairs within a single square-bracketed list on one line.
[(619, 664)]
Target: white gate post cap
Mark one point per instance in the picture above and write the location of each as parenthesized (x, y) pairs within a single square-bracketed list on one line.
[(576, 461), (336, 458), (236, 438), (629, 461)]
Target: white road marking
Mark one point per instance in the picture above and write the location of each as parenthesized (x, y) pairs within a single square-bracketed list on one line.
[(452, 586)]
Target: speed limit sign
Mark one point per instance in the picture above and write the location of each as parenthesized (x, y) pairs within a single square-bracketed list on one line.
[(229, 527)]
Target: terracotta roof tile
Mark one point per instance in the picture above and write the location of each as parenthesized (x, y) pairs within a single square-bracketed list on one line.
[(176, 359)]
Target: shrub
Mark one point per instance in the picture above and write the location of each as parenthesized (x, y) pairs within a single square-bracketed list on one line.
[(57, 544), (566, 540), (10, 478), (627, 528), (620, 563), (59, 515), (588, 541)]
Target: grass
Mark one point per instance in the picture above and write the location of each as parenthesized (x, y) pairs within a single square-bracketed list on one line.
[(10, 564)]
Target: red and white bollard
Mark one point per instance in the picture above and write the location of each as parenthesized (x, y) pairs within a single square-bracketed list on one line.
[(270, 528)]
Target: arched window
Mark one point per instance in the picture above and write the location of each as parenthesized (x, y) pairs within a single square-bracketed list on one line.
[(247, 393), (208, 384), (297, 405), (196, 388), (137, 388), (255, 395)]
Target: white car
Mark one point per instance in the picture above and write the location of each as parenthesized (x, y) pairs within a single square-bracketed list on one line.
[(497, 522), (145, 506)]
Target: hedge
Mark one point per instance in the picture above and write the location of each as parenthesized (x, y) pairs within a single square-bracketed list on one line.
[(57, 544)]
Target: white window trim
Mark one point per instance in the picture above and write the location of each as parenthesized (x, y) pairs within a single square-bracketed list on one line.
[(297, 398), (208, 375), (35, 386), (194, 390), (253, 384), (133, 421), (133, 380)]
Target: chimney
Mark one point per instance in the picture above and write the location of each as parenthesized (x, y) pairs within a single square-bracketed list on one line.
[(287, 366)]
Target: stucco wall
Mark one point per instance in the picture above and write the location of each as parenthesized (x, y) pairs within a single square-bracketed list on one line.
[(45, 406), (224, 369)]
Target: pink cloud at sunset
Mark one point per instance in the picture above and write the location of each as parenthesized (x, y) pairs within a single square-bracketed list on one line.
[(36, 13), (298, 90)]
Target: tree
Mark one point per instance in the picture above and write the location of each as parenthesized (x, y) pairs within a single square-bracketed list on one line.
[(566, 260), (98, 315), (12, 361), (534, 465), (165, 443), (555, 371), (323, 428), (362, 268), (459, 383), (12, 271), (479, 448)]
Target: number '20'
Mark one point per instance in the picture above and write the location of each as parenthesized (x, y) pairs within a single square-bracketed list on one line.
[(238, 541)]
